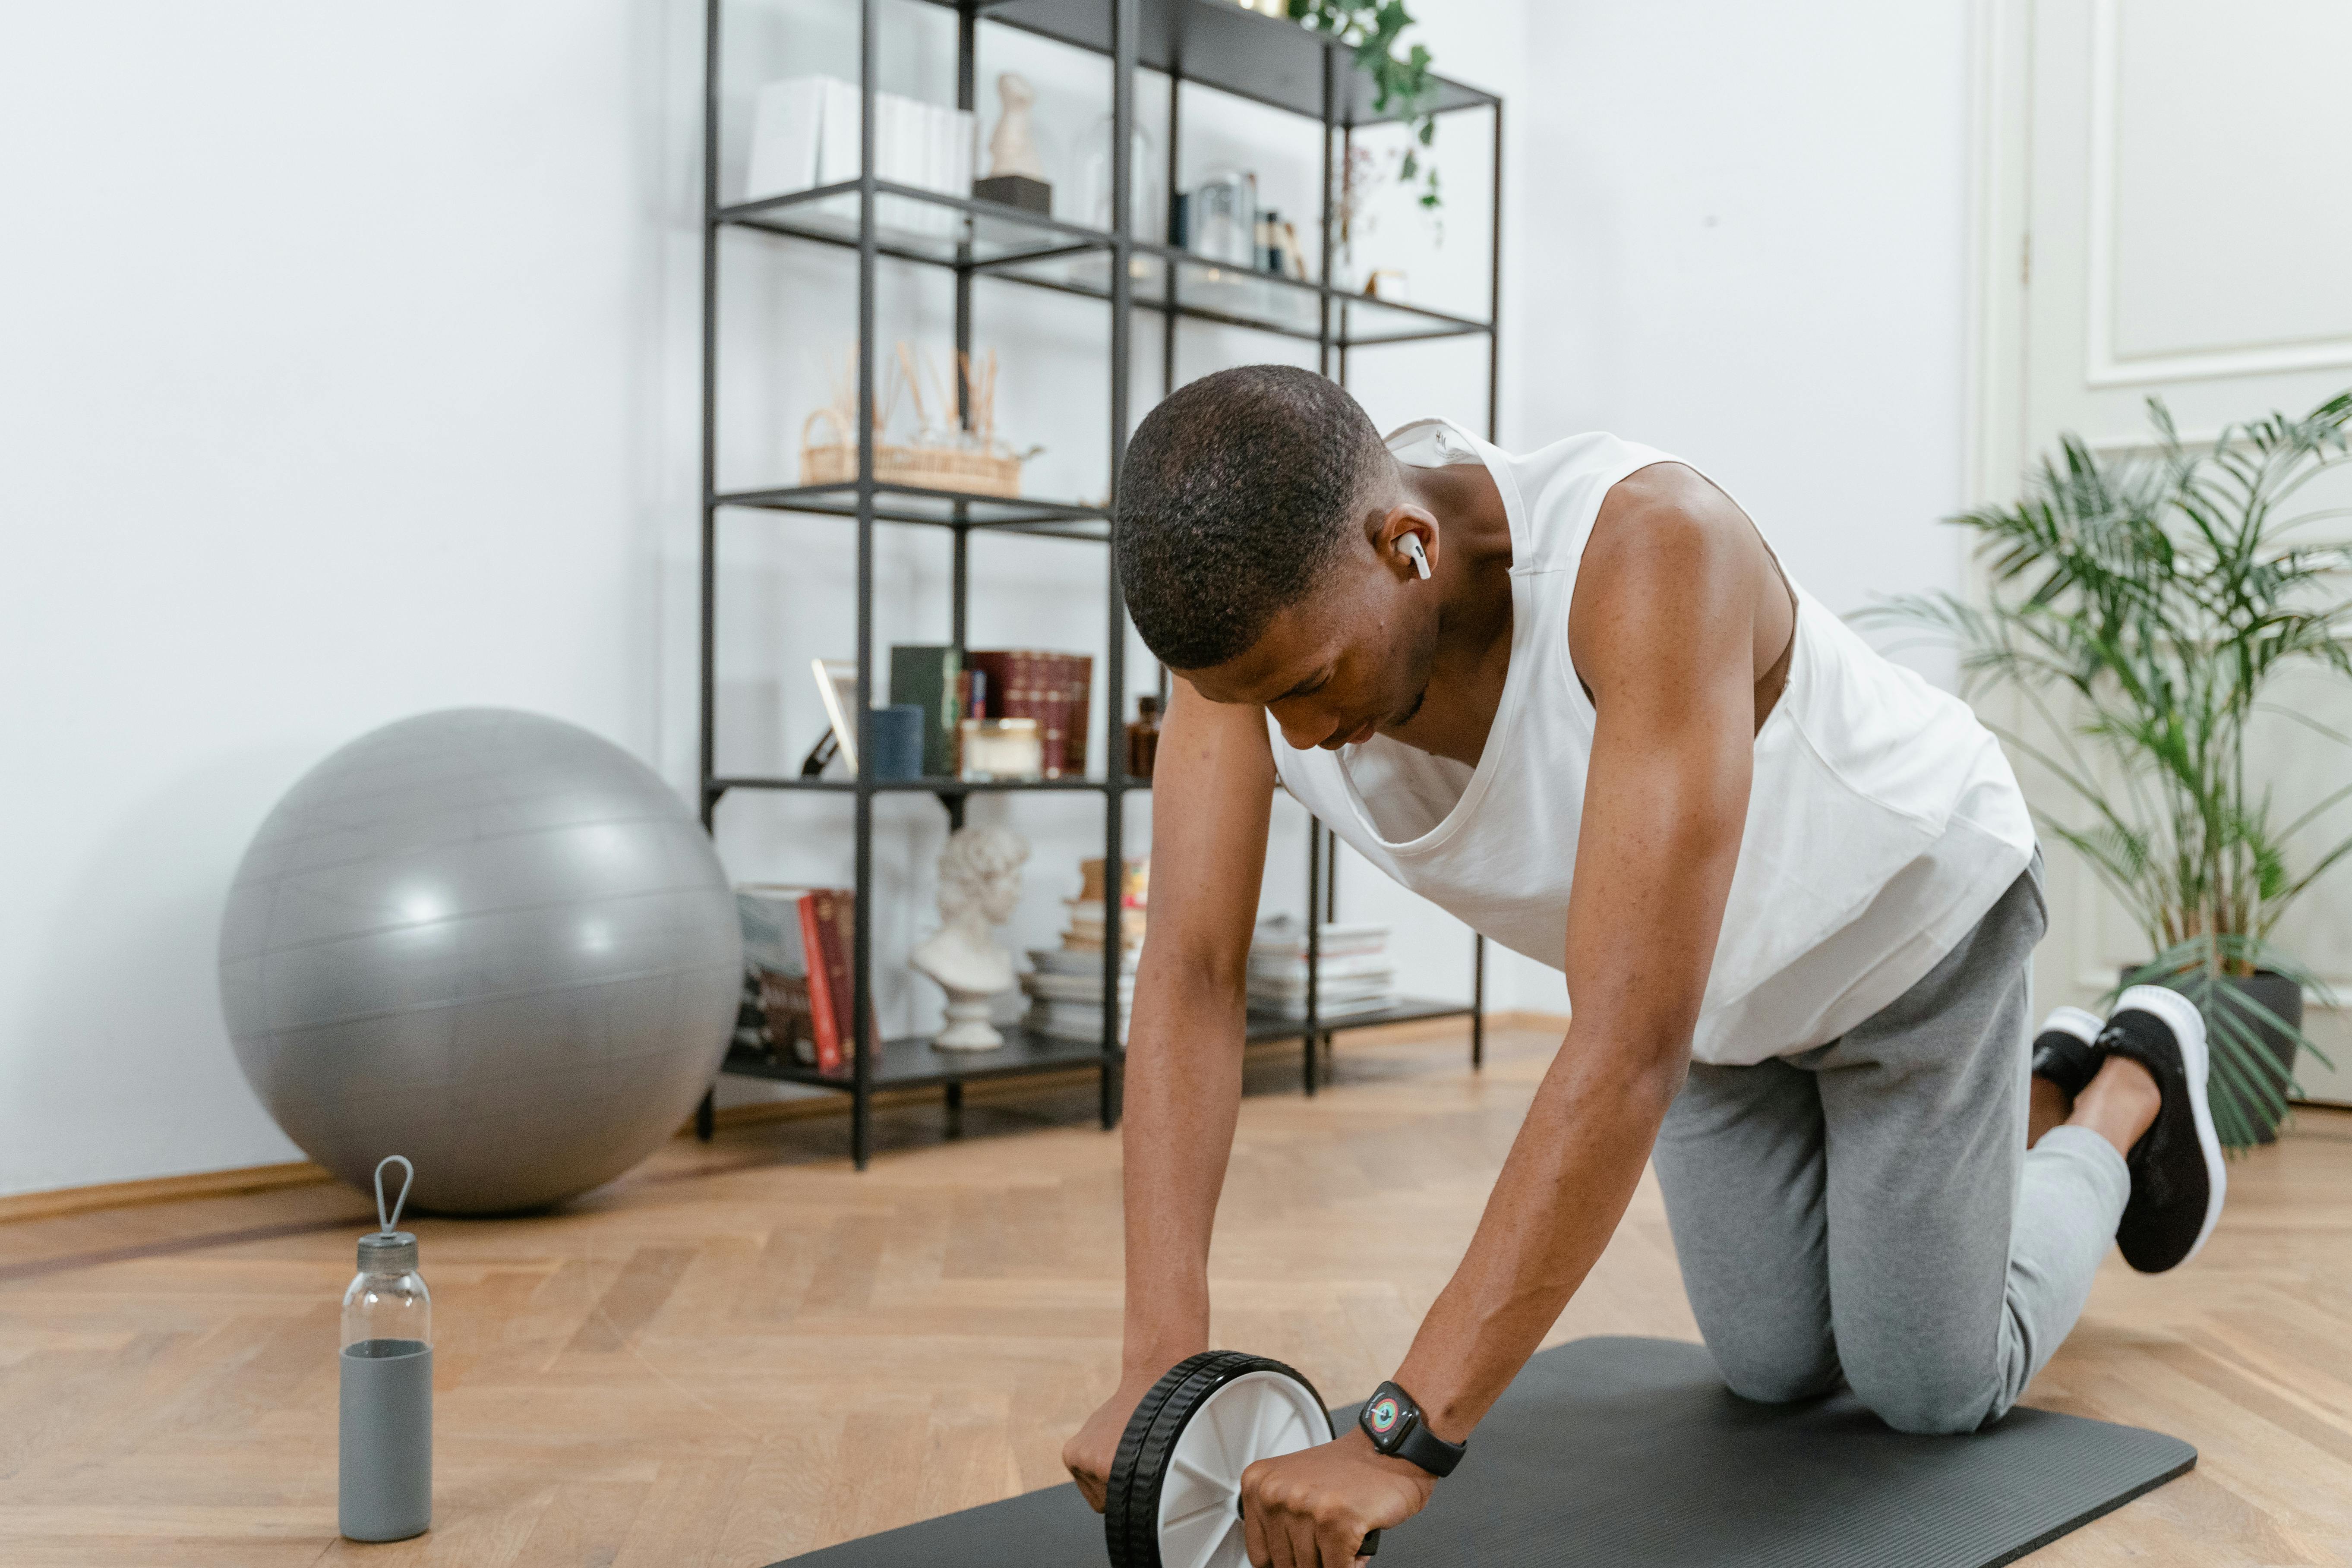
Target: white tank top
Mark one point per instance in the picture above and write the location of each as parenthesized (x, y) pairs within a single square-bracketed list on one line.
[(1883, 821)]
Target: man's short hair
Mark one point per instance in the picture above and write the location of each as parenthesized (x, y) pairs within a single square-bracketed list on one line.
[(1238, 491)]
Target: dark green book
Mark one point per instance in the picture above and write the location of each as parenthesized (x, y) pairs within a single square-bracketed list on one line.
[(925, 677)]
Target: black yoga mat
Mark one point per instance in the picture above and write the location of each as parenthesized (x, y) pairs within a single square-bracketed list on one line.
[(1629, 1453)]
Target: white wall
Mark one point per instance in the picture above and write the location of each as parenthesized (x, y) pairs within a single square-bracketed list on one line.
[(330, 350), (347, 367), (1748, 237), (1738, 234)]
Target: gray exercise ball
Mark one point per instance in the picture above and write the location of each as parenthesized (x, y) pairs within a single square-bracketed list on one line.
[(491, 942)]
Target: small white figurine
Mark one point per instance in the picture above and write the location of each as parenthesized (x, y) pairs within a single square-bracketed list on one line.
[(979, 883), (1012, 148)]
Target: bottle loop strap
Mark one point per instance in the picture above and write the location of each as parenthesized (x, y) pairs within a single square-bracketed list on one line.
[(393, 1218)]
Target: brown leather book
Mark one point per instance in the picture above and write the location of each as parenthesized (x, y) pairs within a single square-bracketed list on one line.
[(1052, 689)]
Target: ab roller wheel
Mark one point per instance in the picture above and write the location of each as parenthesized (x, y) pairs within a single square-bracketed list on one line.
[(1173, 1498)]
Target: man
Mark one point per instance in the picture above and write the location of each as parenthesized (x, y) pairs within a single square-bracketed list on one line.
[(1572, 698)]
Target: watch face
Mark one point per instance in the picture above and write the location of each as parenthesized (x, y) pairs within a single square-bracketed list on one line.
[(1385, 1415)]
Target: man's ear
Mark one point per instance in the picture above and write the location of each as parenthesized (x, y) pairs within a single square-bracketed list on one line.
[(1404, 540)]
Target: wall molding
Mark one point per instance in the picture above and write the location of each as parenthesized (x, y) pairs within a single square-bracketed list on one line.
[(2106, 369), (162, 1190), (49, 1205)]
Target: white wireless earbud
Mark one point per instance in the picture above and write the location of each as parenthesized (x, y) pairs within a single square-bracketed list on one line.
[(1411, 545)]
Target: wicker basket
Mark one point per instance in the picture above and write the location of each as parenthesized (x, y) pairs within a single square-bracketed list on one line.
[(927, 468)]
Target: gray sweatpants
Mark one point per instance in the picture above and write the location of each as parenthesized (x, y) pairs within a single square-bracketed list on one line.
[(1868, 1209)]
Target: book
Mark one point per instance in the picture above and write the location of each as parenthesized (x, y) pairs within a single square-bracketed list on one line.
[(1286, 936), (1135, 882), (1074, 1021), (835, 912), (837, 133), (1281, 968), (963, 147), (786, 120), (790, 1019), (776, 1019), (803, 936), (1052, 689), (1086, 926), (1087, 914), (1076, 960), (768, 913), (1330, 989), (1075, 988), (928, 675), (823, 1013)]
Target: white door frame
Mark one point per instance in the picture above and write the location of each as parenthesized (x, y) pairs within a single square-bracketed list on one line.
[(2001, 149), (2000, 143)]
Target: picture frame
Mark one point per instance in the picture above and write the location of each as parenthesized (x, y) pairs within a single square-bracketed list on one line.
[(836, 687)]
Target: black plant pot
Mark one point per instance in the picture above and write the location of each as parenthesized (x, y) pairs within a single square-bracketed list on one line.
[(2284, 998)]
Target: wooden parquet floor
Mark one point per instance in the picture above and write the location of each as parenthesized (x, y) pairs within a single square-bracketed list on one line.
[(747, 1349)]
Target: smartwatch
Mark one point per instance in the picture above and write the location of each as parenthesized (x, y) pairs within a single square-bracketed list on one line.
[(1392, 1421)]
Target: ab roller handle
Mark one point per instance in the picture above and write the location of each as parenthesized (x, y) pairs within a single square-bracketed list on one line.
[(1370, 1548), (1173, 1496)]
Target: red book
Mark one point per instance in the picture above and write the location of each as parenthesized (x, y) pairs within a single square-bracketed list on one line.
[(822, 1017), (837, 920)]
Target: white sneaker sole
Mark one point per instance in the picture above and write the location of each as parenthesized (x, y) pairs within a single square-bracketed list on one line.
[(2079, 1022), (2187, 1027)]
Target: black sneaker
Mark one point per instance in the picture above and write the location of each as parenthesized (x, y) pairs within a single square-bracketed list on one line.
[(2067, 1051), (2176, 1174)]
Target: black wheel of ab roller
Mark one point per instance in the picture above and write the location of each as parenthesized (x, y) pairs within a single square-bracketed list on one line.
[(1173, 1499)]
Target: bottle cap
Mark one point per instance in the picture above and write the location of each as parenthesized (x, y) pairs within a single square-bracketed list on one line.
[(392, 1252)]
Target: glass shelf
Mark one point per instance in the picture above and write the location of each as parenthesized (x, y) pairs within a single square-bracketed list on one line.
[(914, 503), (913, 1062), (1216, 291), (1364, 320), (1027, 248), (1406, 1010), (915, 225), (1218, 44), (920, 786)]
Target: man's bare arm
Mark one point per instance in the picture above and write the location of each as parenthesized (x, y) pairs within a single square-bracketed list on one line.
[(1212, 791), (1664, 623)]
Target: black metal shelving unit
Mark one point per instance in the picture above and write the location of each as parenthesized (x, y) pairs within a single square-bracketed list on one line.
[(1210, 43)]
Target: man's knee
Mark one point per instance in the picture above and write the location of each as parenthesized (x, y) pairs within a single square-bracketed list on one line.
[(1925, 1400), (1779, 1373)]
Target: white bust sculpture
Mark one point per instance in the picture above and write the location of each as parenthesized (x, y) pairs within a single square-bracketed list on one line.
[(979, 883), (1013, 149)]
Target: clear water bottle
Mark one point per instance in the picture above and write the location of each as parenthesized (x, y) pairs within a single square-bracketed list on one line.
[(386, 1487)]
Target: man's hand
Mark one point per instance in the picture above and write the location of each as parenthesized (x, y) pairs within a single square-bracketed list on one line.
[(1087, 1456), (1314, 1508)]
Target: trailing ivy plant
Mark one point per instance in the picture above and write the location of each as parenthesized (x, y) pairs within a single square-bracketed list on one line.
[(1400, 83)]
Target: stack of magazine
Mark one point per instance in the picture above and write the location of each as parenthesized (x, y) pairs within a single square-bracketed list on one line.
[(1065, 992), (1066, 988), (1354, 972)]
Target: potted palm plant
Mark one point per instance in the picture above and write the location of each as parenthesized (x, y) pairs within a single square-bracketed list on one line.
[(2142, 603)]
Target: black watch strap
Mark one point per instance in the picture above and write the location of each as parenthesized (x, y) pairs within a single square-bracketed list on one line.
[(1393, 1421)]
